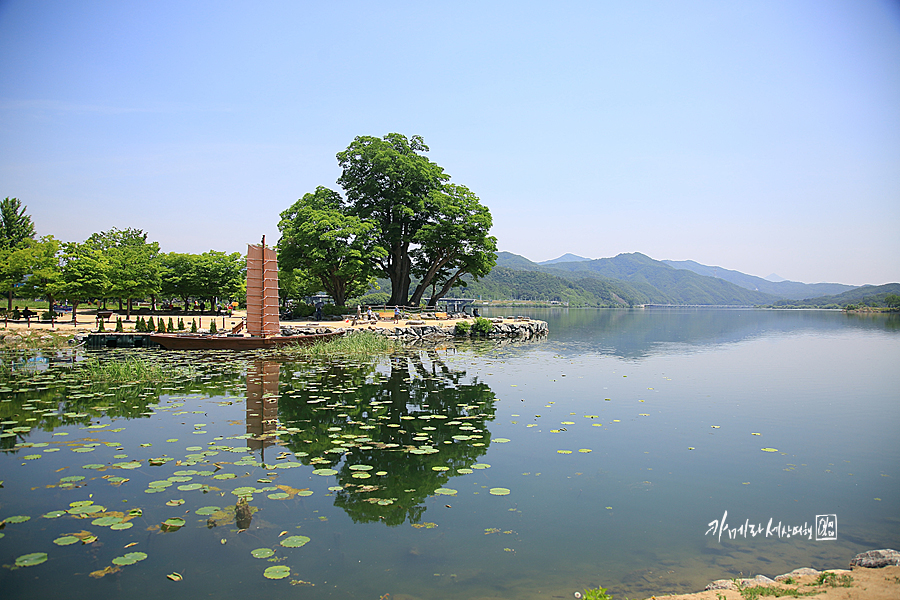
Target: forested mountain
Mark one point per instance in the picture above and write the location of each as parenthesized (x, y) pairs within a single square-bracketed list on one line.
[(786, 289), (866, 295), (634, 279), (622, 280)]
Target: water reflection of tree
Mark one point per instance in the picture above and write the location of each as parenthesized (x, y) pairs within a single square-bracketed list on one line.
[(373, 418)]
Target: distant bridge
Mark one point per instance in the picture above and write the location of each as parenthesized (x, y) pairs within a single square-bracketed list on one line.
[(456, 304)]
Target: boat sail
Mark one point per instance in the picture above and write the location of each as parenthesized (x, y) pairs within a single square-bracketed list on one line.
[(262, 290)]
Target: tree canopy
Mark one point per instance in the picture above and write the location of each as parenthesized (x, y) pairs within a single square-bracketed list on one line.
[(336, 249), (399, 218), (15, 225)]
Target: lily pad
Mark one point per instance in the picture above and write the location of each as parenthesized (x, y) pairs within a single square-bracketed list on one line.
[(294, 541), (262, 553), (324, 472), (445, 492), (129, 559), (30, 560), (499, 491), (66, 540), (277, 572), (770, 449), (16, 519)]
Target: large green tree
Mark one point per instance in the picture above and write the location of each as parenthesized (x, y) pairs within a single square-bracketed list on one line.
[(84, 271), (453, 242), (217, 275), (134, 269), (43, 271), (336, 249), (15, 225), (16, 229), (388, 181)]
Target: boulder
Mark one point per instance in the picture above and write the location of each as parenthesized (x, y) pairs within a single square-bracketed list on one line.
[(876, 558)]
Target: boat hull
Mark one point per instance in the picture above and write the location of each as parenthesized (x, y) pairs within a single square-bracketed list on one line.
[(174, 341)]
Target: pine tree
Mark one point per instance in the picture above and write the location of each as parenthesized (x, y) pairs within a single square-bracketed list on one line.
[(169, 326), (119, 327), (193, 326), (180, 324), (162, 326), (212, 326), (151, 327), (101, 328)]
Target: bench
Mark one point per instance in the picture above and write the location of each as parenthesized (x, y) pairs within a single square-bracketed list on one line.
[(104, 314)]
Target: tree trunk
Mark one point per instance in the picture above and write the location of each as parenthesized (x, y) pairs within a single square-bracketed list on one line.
[(9, 300), (427, 279), (75, 304), (128, 313), (152, 303), (444, 290), (120, 303)]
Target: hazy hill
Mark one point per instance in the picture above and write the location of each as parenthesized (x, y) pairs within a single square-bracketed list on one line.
[(786, 289), (870, 295), (567, 257)]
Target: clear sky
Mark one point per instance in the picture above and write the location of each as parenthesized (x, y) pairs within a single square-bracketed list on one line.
[(756, 136)]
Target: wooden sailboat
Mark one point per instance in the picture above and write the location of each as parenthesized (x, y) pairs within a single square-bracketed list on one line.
[(263, 327)]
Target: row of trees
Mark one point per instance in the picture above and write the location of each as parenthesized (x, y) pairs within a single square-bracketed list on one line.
[(399, 218), (117, 264)]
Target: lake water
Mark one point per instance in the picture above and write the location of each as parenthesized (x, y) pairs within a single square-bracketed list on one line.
[(605, 454)]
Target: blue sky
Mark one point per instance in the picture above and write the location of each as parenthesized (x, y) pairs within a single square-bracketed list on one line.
[(757, 136)]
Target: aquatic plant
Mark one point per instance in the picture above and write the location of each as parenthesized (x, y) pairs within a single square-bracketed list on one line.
[(362, 343), (462, 328), (132, 369)]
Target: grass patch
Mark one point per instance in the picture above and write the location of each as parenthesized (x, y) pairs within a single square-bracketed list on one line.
[(834, 580), (363, 343), (129, 369), (760, 591)]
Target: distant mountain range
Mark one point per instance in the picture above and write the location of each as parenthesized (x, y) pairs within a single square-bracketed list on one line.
[(632, 279)]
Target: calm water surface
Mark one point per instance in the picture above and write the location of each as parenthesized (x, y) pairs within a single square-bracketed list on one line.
[(620, 438)]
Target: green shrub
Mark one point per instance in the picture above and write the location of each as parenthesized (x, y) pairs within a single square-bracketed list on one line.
[(462, 328), (212, 326), (120, 328), (193, 326), (162, 325), (180, 324), (100, 327), (47, 315), (482, 326), (170, 327), (151, 326)]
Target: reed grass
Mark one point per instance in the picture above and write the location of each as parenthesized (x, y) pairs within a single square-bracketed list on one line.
[(358, 344), (129, 369)]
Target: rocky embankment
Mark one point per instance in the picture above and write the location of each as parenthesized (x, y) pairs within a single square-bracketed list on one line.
[(414, 330)]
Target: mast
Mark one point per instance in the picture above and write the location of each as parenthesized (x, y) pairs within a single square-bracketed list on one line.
[(262, 290)]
